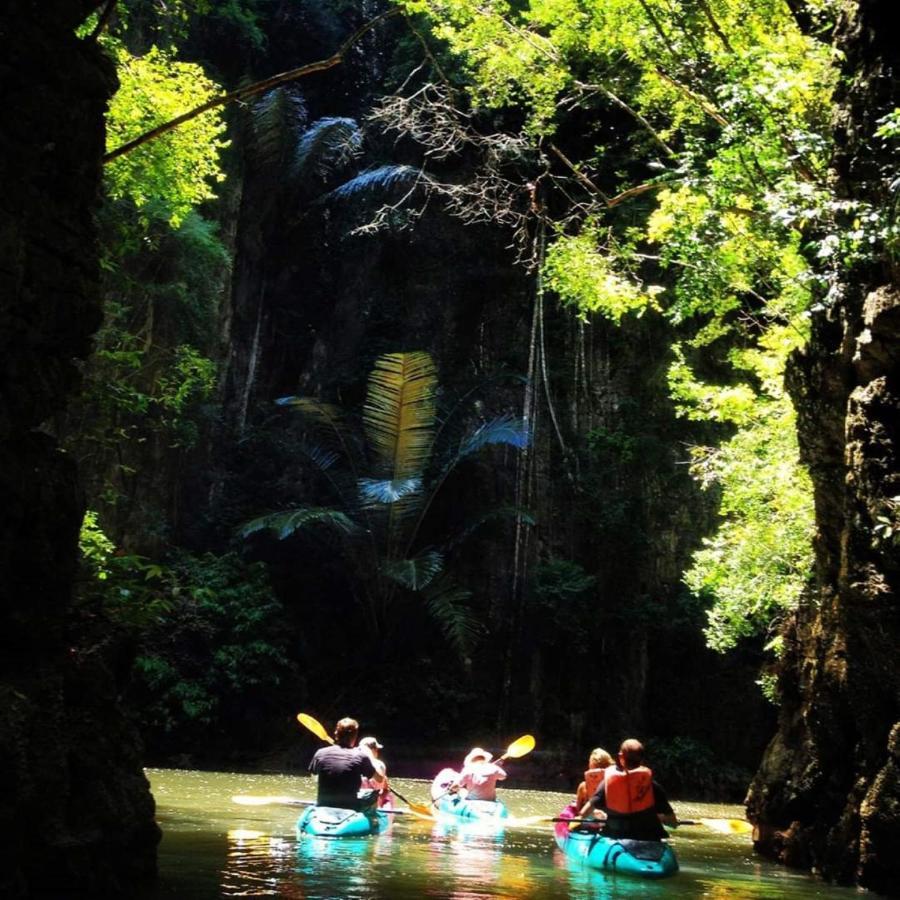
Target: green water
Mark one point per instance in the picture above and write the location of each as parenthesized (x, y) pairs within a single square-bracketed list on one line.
[(215, 848)]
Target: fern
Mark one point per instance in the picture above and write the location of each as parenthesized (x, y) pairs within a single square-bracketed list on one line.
[(374, 491), (399, 414), (276, 120), (286, 523), (327, 146), (417, 573), (445, 603), (503, 512), (505, 429), (376, 180)]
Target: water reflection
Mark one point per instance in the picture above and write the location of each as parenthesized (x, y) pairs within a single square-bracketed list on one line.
[(257, 864), (211, 848)]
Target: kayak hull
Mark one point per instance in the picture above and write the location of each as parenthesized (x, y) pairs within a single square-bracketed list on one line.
[(457, 806), (478, 810), (646, 859), (332, 821)]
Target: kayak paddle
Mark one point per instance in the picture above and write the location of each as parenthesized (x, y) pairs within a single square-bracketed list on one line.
[(519, 748), (723, 826), (419, 808), (248, 800), (516, 750), (315, 726)]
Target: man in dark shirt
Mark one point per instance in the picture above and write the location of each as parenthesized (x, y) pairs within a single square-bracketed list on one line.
[(341, 767), (645, 823)]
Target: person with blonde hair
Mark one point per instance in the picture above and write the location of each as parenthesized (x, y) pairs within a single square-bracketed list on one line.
[(598, 762), (630, 800)]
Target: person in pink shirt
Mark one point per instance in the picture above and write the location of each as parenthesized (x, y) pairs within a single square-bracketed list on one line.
[(479, 776)]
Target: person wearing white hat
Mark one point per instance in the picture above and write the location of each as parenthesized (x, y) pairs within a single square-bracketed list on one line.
[(479, 776)]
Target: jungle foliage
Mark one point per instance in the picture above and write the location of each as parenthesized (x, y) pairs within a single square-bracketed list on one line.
[(385, 480), (715, 216)]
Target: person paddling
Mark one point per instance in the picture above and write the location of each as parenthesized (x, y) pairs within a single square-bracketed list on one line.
[(479, 776), (341, 767), (374, 748), (635, 805)]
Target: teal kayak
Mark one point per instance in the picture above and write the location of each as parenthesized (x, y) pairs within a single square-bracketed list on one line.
[(332, 821), (648, 859), (483, 810), (457, 806)]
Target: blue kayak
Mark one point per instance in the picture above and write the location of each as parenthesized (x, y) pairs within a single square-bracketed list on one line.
[(482, 810), (648, 859), (332, 821)]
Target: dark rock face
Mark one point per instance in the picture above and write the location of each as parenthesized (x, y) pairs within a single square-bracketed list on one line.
[(827, 795), (76, 814), (313, 305)]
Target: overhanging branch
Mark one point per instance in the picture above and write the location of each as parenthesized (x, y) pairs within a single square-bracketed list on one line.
[(251, 90)]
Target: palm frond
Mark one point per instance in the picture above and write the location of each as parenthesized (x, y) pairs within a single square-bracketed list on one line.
[(316, 410), (376, 181), (502, 512), (321, 457), (327, 146), (399, 413), (445, 603), (416, 573), (505, 429), (286, 523), (276, 121), (375, 491)]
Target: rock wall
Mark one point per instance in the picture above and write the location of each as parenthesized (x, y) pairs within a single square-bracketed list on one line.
[(313, 305), (76, 813), (827, 795)]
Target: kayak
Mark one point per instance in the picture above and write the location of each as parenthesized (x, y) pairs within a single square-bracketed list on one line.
[(648, 859), (332, 821), (483, 810), (458, 806)]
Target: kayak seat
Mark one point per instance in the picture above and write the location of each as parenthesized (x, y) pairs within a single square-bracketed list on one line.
[(650, 851)]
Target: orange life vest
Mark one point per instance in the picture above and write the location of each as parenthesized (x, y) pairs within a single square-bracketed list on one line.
[(592, 780), (629, 791)]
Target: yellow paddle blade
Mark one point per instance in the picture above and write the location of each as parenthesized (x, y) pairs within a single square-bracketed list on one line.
[(728, 826), (315, 726), (520, 747)]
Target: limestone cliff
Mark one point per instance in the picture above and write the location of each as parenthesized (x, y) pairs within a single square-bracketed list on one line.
[(76, 813), (827, 795)]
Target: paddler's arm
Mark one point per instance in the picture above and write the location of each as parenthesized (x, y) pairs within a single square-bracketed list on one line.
[(378, 768), (664, 811)]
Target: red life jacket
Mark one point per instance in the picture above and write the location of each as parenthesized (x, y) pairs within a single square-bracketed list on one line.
[(629, 791), (592, 780)]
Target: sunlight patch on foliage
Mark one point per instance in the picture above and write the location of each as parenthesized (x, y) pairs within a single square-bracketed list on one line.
[(179, 169), (585, 278)]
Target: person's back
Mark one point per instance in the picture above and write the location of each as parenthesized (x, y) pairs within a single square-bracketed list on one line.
[(479, 776), (635, 805), (598, 762), (630, 804), (341, 768)]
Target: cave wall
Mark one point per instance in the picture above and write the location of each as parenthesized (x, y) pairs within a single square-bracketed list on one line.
[(827, 795), (76, 811)]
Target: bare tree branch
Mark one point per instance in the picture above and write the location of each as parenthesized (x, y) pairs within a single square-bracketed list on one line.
[(104, 18), (259, 87)]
